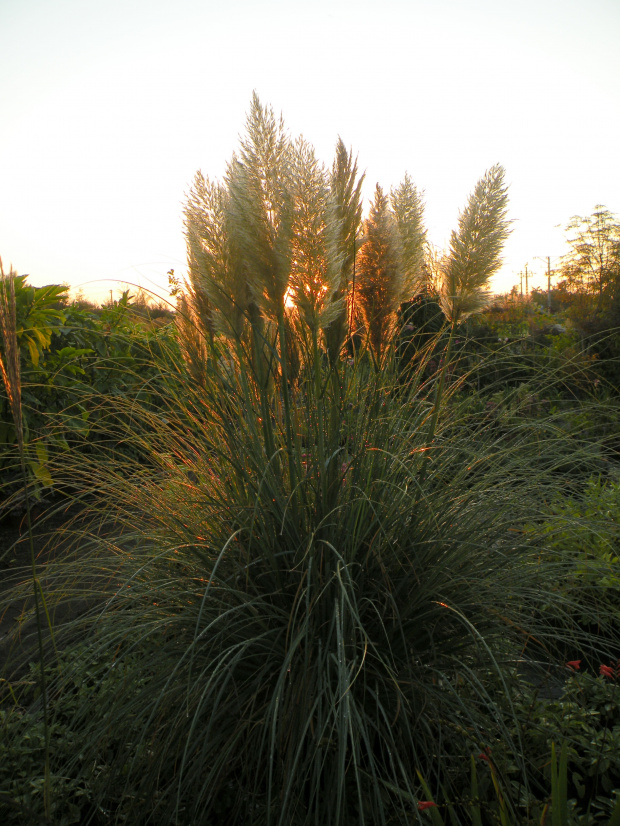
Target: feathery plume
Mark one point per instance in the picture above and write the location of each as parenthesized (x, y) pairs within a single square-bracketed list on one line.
[(475, 250), (345, 219), (380, 274), (219, 293), (408, 209), (260, 209), (315, 276)]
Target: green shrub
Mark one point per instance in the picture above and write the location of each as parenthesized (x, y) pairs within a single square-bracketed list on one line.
[(585, 526), (586, 717), (75, 362)]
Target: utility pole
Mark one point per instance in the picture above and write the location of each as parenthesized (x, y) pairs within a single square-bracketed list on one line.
[(521, 275), (548, 283), (526, 289)]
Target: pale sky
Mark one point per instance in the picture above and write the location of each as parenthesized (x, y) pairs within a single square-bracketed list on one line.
[(109, 108)]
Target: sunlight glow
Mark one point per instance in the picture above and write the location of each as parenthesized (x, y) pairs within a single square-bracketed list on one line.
[(111, 116)]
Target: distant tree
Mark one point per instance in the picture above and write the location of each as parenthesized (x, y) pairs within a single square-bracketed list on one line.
[(590, 288), (591, 268)]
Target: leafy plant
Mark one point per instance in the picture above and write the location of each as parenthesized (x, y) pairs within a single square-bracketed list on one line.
[(586, 527), (11, 376), (87, 358)]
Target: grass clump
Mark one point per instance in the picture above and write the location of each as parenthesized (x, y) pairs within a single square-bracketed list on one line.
[(313, 590)]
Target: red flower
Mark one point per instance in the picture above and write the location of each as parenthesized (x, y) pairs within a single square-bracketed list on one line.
[(574, 664), (607, 671), (425, 804), (485, 755)]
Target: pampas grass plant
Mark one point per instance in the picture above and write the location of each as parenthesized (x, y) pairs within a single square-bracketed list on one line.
[(302, 603), (273, 666)]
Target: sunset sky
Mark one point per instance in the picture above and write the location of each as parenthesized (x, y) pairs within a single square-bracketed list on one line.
[(109, 108)]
